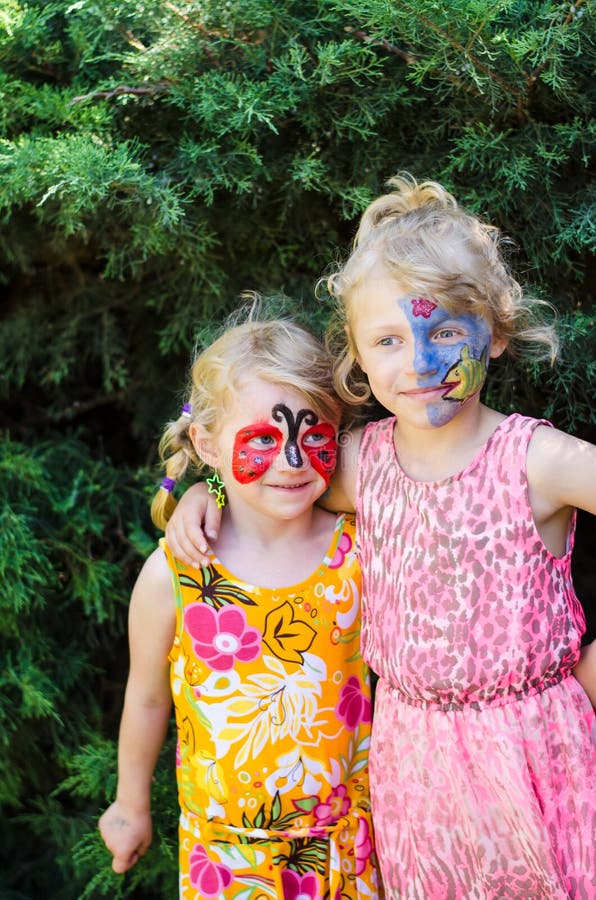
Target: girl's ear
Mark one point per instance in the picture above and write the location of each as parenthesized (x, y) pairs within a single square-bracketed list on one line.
[(497, 347), (204, 444)]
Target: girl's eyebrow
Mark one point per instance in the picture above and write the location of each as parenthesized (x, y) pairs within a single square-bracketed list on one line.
[(259, 425), (393, 326)]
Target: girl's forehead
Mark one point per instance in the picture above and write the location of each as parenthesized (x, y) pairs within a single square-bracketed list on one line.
[(258, 400), (384, 301), (257, 392)]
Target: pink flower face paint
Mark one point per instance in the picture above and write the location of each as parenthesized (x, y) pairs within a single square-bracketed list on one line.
[(450, 351), (422, 307), (257, 446)]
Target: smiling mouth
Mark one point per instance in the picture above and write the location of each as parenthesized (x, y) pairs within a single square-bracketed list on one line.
[(442, 389), (290, 487)]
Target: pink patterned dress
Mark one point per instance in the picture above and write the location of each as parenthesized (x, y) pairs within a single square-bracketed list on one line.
[(483, 753)]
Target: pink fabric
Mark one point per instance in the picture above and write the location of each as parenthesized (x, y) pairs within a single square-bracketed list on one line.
[(483, 755)]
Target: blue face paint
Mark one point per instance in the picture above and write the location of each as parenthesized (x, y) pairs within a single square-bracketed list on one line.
[(459, 363)]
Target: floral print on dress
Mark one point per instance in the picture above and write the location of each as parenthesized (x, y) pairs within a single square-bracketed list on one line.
[(287, 636), (344, 545), (209, 878), (354, 704), (272, 705), (335, 805), (221, 637), (300, 887)]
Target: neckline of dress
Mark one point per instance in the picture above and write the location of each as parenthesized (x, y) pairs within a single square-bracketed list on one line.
[(338, 530), (457, 476)]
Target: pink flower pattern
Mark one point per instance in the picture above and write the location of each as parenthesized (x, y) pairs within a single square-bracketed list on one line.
[(208, 877), (362, 846), (354, 706), (344, 545), (334, 807), (299, 887), (222, 636)]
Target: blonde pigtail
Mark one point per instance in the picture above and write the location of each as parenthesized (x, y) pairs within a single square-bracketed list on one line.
[(177, 453)]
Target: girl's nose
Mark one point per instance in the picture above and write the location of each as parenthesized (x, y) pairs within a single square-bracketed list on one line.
[(424, 358), (291, 457)]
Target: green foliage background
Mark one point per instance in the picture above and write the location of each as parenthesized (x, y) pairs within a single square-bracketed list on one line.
[(157, 158)]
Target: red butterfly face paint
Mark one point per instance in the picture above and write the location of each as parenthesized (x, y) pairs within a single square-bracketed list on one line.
[(320, 445), (255, 448)]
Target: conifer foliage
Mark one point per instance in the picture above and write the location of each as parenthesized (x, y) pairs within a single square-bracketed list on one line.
[(156, 159)]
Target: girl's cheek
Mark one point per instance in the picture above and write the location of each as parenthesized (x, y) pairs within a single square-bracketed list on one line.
[(323, 460)]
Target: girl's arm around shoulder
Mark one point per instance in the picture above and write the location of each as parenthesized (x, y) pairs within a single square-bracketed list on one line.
[(196, 517), (561, 472), (126, 825), (341, 494)]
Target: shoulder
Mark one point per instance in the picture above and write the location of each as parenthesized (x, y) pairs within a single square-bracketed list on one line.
[(155, 568), (562, 468), (376, 433), (151, 628), (153, 592), (549, 448)]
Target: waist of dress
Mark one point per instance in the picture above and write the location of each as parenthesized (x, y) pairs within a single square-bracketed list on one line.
[(499, 697), (222, 832)]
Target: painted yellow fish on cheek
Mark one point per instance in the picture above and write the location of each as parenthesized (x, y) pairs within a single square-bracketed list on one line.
[(466, 376)]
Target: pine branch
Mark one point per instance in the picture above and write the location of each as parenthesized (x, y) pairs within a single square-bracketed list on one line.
[(121, 90), (387, 45), (132, 40), (198, 26), (572, 11), (494, 76), (535, 75)]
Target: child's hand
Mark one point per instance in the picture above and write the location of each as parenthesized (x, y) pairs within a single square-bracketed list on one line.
[(585, 671), (184, 535), (126, 835)]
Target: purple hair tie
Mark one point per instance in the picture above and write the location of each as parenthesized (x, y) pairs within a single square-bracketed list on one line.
[(168, 484), (187, 410)]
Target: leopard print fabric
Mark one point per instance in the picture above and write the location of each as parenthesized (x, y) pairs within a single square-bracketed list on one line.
[(483, 752)]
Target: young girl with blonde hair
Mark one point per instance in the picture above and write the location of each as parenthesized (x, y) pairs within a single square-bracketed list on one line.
[(259, 648), (482, 757)]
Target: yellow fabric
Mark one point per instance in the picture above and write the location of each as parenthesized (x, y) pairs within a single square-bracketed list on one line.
[(273, 712)]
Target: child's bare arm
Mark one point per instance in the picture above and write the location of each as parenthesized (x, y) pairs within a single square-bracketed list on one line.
[(126, 825), (341, 493), (585, 671), (195, 518)]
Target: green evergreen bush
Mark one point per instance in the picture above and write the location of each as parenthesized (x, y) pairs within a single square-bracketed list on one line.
[(156, 159)]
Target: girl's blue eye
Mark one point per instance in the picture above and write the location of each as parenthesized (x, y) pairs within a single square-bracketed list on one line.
[(386, 342), (264, 440), (316, 438)]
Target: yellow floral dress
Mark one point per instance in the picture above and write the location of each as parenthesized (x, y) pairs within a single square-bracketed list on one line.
[(273, 710)]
